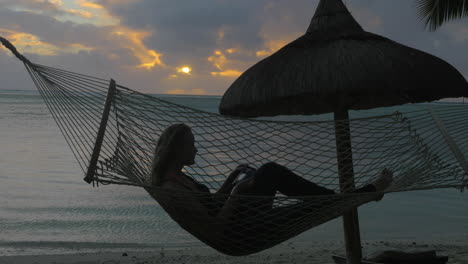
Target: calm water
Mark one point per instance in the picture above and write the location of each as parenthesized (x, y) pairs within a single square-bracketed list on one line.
[(45, 207)]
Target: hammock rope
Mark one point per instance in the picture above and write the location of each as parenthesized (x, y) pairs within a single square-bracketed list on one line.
[(112, 132)]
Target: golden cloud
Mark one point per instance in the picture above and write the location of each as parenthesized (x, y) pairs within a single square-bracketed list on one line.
[(32, 44), (120, 2), (271, 47), (227, 73), (124, 37), (81, 13), (133, 40), (187, 91), (219, 60), (176, 91), (78, 11), (231, 50), (88, 4), (112, 36), (79, 47), (199, 91), (54, 2)]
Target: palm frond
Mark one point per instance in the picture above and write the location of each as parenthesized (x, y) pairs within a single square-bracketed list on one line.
[(434, 13)]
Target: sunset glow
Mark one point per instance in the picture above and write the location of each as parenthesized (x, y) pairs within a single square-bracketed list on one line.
[(271, 47), (172, 47), (187, 91), (133, 40), (32, 44), (89, 4), (81, 13), (227, 73), (184, 69), (221, 62)]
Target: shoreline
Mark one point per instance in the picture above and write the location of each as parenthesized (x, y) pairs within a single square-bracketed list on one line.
[(292, 252)]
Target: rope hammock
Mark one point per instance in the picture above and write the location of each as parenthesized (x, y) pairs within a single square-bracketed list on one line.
[(112, 131)]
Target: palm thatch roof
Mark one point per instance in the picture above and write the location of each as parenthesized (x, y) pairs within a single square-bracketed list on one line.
[(337, 65)]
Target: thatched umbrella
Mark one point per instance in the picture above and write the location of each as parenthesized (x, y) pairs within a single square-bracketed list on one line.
[(336, 66)]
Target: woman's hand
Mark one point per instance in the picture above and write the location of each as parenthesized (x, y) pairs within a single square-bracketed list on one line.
[(236, 171), (227, 185), (242, 166), (243, 187)]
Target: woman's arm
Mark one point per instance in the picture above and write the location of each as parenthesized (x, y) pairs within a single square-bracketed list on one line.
[(227, 186)]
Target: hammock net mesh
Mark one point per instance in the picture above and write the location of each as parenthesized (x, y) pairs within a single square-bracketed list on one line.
[(425, 148)]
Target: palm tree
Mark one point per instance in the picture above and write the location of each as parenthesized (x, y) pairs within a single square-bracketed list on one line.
[(436, 12)]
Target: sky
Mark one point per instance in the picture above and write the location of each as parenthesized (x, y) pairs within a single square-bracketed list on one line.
[(189, 46)]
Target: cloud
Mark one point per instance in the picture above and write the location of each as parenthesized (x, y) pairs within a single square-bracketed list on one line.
[(143, 43), (409, 30), (81, 13), (192, 28), (133, 40), (458, 31), (221, 62), (64, 37), (51, 7), (271, 46), (38, 6), (187, 91), (89, 4), (29, 43), (227, 73)]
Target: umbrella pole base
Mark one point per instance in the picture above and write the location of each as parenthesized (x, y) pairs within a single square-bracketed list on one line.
[(352, 236), (346, 174), (343, 260)]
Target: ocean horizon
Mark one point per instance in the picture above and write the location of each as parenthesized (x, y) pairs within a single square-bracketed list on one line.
[(46, 207)]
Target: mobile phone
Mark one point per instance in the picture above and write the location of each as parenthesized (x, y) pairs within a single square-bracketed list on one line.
[(245, 174)]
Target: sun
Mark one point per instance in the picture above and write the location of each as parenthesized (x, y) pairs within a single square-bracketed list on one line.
[(185, 69)]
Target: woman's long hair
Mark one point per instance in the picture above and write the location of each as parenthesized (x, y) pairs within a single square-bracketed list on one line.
[(167, 148)]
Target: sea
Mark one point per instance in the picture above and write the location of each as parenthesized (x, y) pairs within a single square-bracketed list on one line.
[(46, 207)]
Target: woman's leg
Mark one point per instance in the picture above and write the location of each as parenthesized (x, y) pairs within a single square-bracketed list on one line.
[(269, 179), (272, 177), (365, 189)]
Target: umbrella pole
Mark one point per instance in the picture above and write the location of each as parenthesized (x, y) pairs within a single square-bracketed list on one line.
[(346, 173)]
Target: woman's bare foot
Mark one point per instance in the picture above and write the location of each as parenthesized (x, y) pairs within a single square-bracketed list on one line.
[(383, 182)]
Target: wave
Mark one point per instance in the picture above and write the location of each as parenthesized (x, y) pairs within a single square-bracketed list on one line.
[(67, 247), (90, 245)]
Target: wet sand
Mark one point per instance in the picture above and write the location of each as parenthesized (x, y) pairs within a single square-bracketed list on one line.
[(313, 252)]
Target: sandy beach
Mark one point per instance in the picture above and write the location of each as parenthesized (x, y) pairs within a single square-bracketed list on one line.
[(314, 252)]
